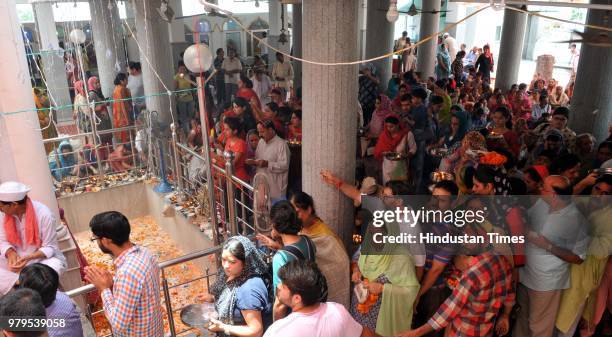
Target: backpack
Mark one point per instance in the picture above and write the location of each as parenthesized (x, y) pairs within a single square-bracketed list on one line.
[(297, 253)]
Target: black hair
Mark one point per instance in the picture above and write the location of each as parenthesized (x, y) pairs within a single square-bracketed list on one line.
[(534, 174), (298, 113), (181, 64), (460, 54), (135, 66), (447, 185), (564, 192), (398, 187), (485, 174), (235, 247), (111, 225), (273, 106), (564, 163), (517, 186), (550, 154), (303, 200), (67, 147), (42, 279), (562, 110), (437, 99), (506, 113), (406, 98), (219, 50), (119, 78), (420, 93), (276, 91), (247, 82), (510, 159), (233, 123), (22, 303), (304, 278), (279, 54), (284, 218), (606, 179), (440, 84), (392, 120), (242, 102), (268, 124), (607, 143)]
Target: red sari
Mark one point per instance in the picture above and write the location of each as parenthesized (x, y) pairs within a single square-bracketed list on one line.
[(237, 145), (121, 111), (247, 94), (387, 142)]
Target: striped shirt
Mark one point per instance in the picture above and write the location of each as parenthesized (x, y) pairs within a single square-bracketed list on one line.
[(64, 308), (133, 307), (482, 292)]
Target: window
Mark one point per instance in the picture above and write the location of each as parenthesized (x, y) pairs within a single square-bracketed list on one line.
[(258, 27), (202, 30), (233, 36)]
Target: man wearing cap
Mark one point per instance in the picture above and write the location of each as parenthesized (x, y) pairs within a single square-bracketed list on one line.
[(27, 234)]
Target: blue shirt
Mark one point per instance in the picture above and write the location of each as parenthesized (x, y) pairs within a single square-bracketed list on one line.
[(64, 308), (253, 295)]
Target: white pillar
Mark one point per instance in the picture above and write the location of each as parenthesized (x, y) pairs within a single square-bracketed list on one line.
[(591, 106), (132, 47), (361, 22), (177, 27), (297, 44), (426, 55), (21, 147), (54, 68), (275, 27), (510, 49), (110, 53), (329, 31), (379, 39), (156, 58)]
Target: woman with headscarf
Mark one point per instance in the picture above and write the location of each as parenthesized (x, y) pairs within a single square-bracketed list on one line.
[(122, 107), (395, 138), (245, 90), (368, 89), (241, 292), (81, 112), (464, 159), (382, 109), (47, 126), (443, 68), (103, 120), (63, 161)]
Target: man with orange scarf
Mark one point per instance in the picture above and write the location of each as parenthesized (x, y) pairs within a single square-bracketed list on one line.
[(27, 234)]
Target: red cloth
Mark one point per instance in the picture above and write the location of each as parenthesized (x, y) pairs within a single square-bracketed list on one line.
[(247, 94), (516, 225), (239, 146), (387, 142), (32, 236), (542, 170)]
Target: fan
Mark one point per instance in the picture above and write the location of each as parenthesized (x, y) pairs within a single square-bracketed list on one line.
[(261, 203), (165, 11)]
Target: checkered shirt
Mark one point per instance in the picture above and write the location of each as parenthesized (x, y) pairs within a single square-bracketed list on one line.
[(133, 307), (478, 298)]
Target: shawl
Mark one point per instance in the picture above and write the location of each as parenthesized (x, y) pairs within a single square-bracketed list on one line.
[(32, 236), (388, 142), (225, 291)]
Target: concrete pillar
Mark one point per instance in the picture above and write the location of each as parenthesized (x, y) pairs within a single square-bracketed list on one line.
[(591, 105), (53, 63), (108, 42), (275, 26), (361, 35), (297, 44), (329, 34), (426, 55), (156, 59), (379, 39), (510, 49), (130, 41), (177, 27), (21, 148)]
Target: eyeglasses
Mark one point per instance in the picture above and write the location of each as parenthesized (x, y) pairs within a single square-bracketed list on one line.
[(94, 238)]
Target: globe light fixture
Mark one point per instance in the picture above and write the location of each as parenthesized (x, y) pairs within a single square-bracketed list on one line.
[(198, 58), (77, 36)]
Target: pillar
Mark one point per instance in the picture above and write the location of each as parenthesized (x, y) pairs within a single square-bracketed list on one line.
[(426, 56), (510, 49), (53, 63), (130, 40), (275, 26), (21, 147), (361, 34), (329, 107), (379, 39), (108, 42), (156, 59), (591, 105), (177, 26), (297, 44)]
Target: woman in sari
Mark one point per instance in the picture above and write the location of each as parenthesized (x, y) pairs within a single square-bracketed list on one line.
[(48, 129), (395, 138), (237, 145), (103, 120), (121, 108), (245, 90), (381, 111), (501, 134), (81, 111), (241, 292), (294, 130)]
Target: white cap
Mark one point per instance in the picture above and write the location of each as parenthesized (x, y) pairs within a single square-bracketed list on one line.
[(11, 191)]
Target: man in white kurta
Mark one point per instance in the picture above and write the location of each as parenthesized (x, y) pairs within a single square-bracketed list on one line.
[(13, 257), (282, 73), (272, 159)]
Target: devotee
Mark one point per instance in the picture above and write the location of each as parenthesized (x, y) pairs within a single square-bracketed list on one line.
[(443, 66), (501, 134), (282, 74), (276, 97), (262, 85), (245, 90), (368, 90), (394, 139), (81, 112), (586, 277), (558, 97), (484, 64), (422, 131), (450, 45), (47, 126), (481, 302), (457, 67), (303, 288), (472, 56), (130, 298), (237, 145), (101, 109), (568, 166), (27, 236), (135, 84), (547, 269), (121, 108), (541, 108), (534, 178), (121, 158), (45, 281), (63, 161), (232, 67), (560, 116), (241, 292), (294, 130), (19, 304), (242, 109), (382, 109), (184, 98), (220, 78), (272, 158)]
